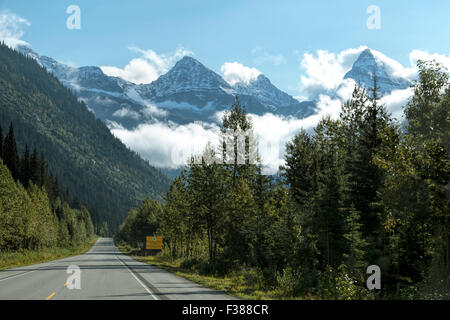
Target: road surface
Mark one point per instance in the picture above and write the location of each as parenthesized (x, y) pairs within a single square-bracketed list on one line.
[(104, 273)]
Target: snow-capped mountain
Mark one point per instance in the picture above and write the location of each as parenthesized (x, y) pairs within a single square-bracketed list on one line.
[(188, 87), (188, 75), (191, 87), (188, 92), (191, 92), (265, 91), (84, 77), (366, 66)]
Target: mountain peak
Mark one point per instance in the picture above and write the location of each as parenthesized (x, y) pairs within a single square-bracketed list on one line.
[(189, 64), (187, 74), (265, 91), (366, 51), (188, 60), (366, 66), (366, 60)]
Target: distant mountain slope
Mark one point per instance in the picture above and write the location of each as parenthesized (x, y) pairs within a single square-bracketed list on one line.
[(80, 150), (366, 66), (188, 92)]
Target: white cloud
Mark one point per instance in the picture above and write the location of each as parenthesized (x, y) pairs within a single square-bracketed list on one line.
[(394, 68), (324, 74), (396, 100), (261, 56), (345, 89), (272, 132), (416, 55), (12, 28), (104, 101), (325, 71), (234, 72), (170, 145), (148, 67), (149, 108), (167, 145), (126, 113)]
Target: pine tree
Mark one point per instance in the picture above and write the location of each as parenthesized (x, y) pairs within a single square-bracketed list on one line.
[(207, 184), (11, 156), (25, 172), (240, 162), (428, 115), (35, 168), (1, 143), (354, 258), (43, 174), (331, 190), (300, 170)]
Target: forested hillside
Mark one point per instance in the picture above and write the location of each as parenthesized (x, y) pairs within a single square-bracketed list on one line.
[(33, 215), (360, 190), (94, 166)]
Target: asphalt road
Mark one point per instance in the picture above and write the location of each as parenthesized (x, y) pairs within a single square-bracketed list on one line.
[(104, 273)]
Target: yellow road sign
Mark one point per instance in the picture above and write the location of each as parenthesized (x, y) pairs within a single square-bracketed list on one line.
[(153, 243)]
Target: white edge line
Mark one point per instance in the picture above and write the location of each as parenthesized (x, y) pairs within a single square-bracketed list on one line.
[(139, 281), (17, 275)]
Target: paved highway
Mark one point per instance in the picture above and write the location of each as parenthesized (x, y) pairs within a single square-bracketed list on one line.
[(104, 273)]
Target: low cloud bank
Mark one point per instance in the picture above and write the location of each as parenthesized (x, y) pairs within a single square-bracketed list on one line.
[(12, 29), (148, 67)]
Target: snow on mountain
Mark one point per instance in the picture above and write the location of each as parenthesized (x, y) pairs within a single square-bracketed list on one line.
[(188, 83), (265, 91), (188, 74), (191, 92), (367, 65), (187, 92)]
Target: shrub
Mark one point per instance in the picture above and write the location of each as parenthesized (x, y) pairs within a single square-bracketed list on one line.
[(289, 282)]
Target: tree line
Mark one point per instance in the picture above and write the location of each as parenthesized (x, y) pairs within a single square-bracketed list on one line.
[(33, 213), (364, 189), (92, 165)]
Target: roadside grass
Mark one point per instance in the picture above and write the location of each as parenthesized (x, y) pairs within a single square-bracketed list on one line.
[(235, 285), (27, 257)]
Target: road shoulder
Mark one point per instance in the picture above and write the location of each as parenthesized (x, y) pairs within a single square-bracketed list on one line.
[(24, 258)]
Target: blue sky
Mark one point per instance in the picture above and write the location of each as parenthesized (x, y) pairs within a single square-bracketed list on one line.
[(249, 32)]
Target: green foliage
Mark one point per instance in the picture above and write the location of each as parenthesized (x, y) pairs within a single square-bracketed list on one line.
[(416, 192), (358, 191), (141, 223), (354, 258), (29, 221), (32, 216), (289, 281), (92, 164)]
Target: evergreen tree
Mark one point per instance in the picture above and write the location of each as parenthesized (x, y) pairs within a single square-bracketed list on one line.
[(331, 189), (354, 259), (240, 222), (241, 161), (10, 153), (301, 168), (207, 184), (35, 168), (25, 172), (1, 143)]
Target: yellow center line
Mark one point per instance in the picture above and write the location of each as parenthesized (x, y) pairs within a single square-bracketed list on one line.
[(50, 296)]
